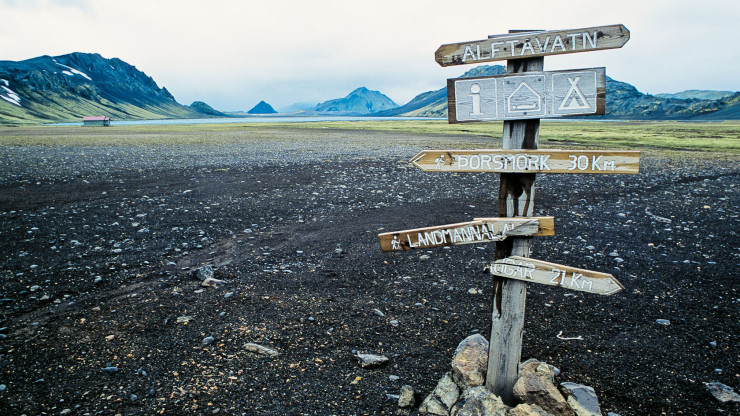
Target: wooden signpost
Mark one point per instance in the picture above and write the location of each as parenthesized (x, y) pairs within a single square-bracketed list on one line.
[(528, 161), (538, 271), (480, 230), (523, 45), (520, 98), (531, 95)]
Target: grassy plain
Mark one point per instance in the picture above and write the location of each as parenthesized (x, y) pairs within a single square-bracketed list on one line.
[(721, 137)]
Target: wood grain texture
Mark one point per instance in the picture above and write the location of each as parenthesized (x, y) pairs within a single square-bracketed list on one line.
[(529, 44), (529, 161), (480, 230), (545, 94), (542, 272), (516, 199)]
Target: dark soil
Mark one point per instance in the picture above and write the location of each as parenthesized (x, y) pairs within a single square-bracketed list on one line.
[(99, 246)]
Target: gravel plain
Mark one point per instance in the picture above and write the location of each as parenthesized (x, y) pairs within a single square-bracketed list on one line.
[(101, 312)]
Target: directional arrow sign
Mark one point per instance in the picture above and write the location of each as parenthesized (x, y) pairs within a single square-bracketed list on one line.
[(575, 92), (528, 161), (537, 271), (480, 230), (532, 44)]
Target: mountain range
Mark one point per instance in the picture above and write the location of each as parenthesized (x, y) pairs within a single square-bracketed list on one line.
[(68, 87)]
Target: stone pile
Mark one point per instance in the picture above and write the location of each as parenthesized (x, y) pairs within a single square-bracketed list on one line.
[(462, 391)]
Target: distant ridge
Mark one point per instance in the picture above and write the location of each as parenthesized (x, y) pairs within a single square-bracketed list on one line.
[(359, 101), (206, 109), (69, 87), (623, 101), (262, 108)]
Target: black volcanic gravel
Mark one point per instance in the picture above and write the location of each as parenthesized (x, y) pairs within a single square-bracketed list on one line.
[(101, 313)]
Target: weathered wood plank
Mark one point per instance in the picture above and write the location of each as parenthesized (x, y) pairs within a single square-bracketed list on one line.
[(538, 271), (532, 44), (547, 94), (480, 230), (516, 199), (528, 161)]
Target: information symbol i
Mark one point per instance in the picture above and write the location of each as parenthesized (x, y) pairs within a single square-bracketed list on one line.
[(475, 90)]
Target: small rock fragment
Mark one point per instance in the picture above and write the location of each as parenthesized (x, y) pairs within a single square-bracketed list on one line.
[(662, 322), (259, 349), (378, 312), (207, 340), (211, 282), (406, 398), (371, 360), (203, 273), (110, 370), (722, 392)]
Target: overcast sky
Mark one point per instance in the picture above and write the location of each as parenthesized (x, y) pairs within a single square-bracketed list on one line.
[(232, 54)]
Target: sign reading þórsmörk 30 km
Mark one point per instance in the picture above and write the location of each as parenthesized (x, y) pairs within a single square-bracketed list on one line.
[(532, 44), (527, 95), (529, 161)]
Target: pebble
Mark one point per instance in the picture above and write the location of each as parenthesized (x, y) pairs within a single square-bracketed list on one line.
[(65, 412), (207, 340), (110, 370), (713, 344), (394, 323), (3, 388), (378, 312), (228, 295), (424, 257), (662, 322), (393, 377)]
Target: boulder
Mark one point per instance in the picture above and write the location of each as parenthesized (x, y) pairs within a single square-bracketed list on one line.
[(582, 399), (478, 401), (447, 391), (535, 386), (470, 362), (432, 406), (525, 409)]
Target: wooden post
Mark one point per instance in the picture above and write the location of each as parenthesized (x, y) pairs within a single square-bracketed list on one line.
[(516, 199)]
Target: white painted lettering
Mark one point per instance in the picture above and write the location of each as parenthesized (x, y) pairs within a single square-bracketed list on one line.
[(574, 278), (591, 40), (556, 273), (573, 37), (595, 162), (512, 43), (608, 165), (543, 48), (582, 162), (468, 52), (494, 49), (521, 162), (527, 46), (475, 162), (543, 162), (462, 161), (477, 49), (497, 163), (485, 160), (557, 43)]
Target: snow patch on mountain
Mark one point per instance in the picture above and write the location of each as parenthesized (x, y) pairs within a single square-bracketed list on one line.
[(10, 95), (72, 72)]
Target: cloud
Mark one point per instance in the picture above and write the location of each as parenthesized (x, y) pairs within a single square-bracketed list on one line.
[(233, 54)]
